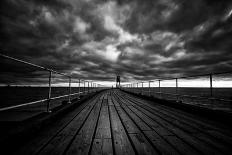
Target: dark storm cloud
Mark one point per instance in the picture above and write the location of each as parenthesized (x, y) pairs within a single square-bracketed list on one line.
[(217, 36), (98, 39)]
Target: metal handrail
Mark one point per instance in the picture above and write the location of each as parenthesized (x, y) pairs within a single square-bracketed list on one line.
[(177, 94), (38, 101), (49, 98), (181, 77)]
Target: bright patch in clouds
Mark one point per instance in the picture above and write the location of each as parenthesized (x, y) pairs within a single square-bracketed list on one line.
[(114, 16), (110, 53), (80, 26)]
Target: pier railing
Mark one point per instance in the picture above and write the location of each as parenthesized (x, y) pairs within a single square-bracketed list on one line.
[(84, 86), (209, 90)]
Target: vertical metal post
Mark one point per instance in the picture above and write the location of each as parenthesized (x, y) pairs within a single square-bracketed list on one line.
[(91, 86), (142, 89), (69, 93), (79, 89), (177, 95), (211, 85), (84, 87), (133, 87), (159, 89), (49, 92), (88, 86), (149, 88), (137, 87)]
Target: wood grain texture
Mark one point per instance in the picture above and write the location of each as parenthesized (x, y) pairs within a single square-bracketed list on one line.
[(116, 123)]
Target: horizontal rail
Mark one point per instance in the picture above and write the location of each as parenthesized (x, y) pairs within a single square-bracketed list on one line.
[(181, 77), (91, 84), (176, 94), (39, 101)]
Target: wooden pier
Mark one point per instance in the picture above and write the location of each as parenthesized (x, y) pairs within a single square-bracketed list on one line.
[(114, 122)]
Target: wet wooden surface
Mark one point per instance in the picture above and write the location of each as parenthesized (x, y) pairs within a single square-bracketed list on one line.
[(114, 122)]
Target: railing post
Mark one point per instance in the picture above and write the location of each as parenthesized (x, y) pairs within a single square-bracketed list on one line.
[(88, 86), (92, 86), (137, 87), (79, 89), (159, 89), (49, 92), (133, 87), (84, 87), (142, 89), (177, 95), (69, 93), (149, 88), (211, 85)]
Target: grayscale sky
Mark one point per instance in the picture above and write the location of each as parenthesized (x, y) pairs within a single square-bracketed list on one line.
[(97, 39)]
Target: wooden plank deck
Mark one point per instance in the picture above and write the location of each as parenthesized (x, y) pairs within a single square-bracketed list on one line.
[(114, 122)]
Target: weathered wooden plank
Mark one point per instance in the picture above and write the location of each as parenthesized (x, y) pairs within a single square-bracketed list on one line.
[(137, 127), (191, 126), (82, 142), (47, 133), (103, 128), (198, 145), (146, 119), (110, 102), (193, 130), (216, 144), (141, 144), (197, 121), (102, 146), (121, 142), (59, 143), (114, 102), (130, 126), (163, 146), (178, 143), (102, 143), (165, 134), (181, 146), (105, 102), (138, 121)]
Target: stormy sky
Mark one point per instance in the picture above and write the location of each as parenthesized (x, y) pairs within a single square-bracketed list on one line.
[(97, 39)]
